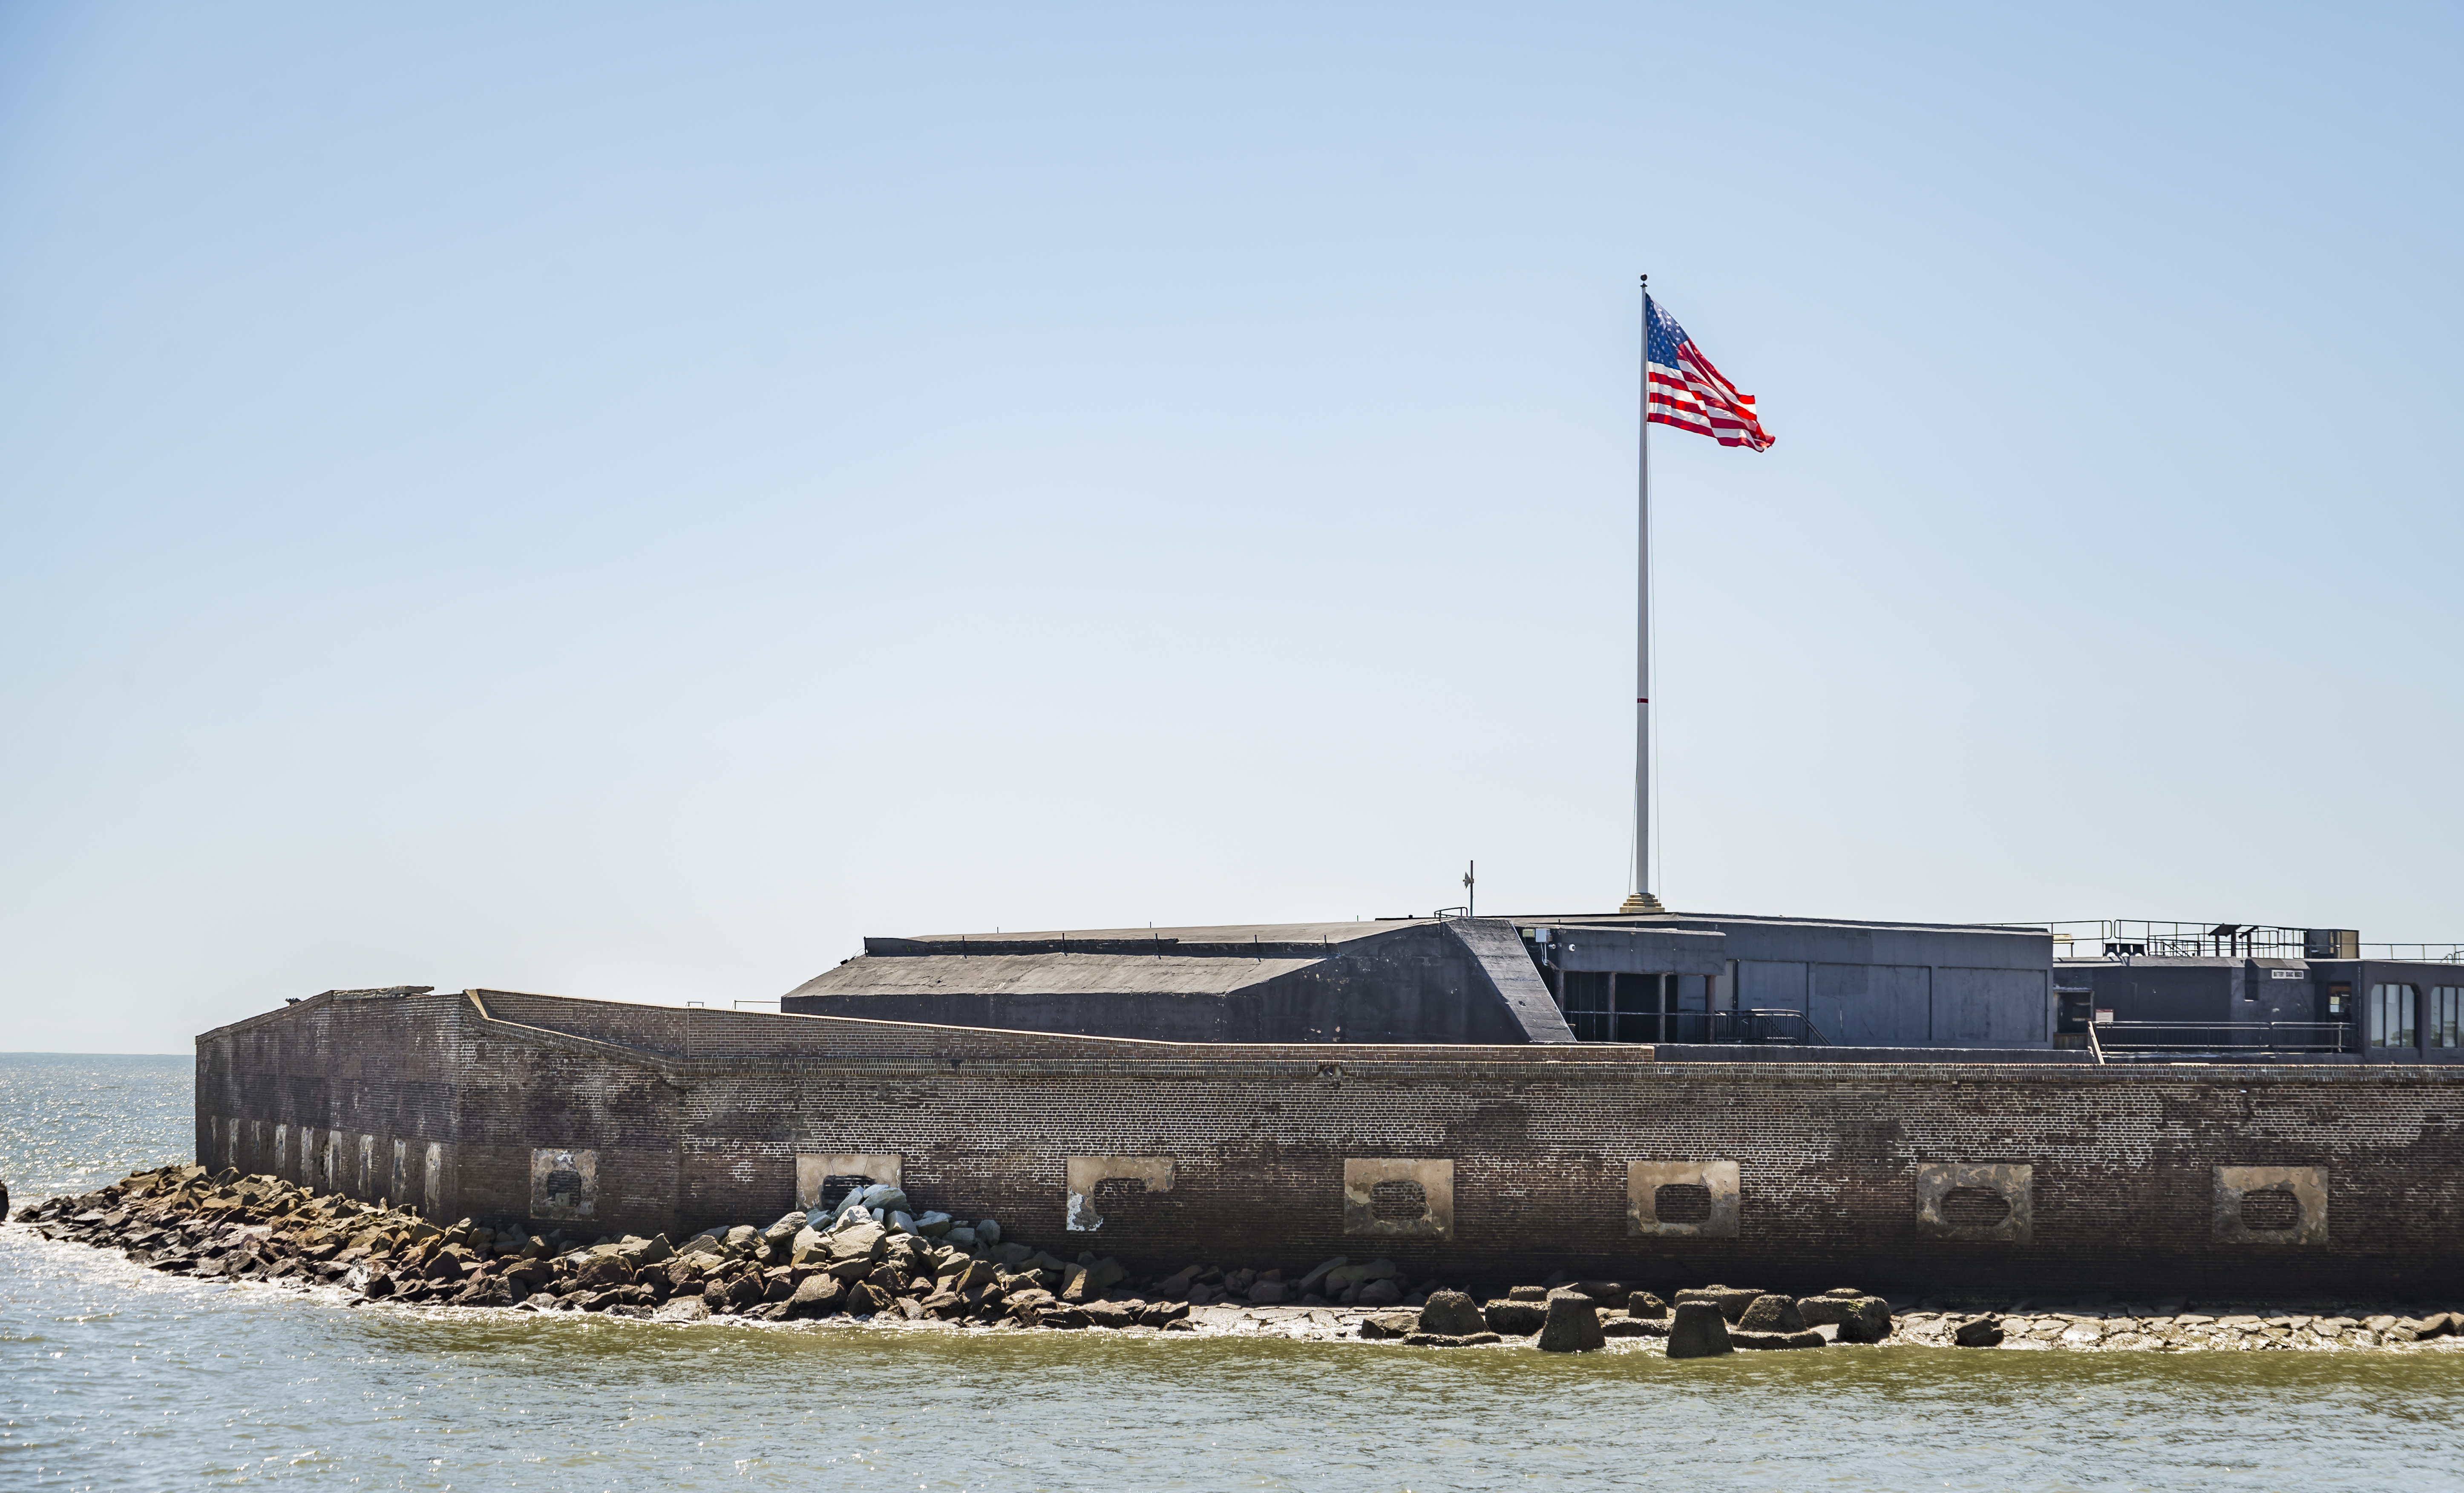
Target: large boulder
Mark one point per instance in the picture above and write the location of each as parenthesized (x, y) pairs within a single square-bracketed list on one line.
[(1730, 1299), (1515, 1318), (1861, 1318), (1312, 1282), (1089, 1282), (1343, 1278), (602, 1271), (1399, 1324), (1572, 1326), (1451, 1314), (881, 1199), (779, 1235), (1743, 1338), (1697, 1331), (1977, 1332), (970, 1275), (1771, 1314), (816, 1296), (864, 1299), (448, 1263), (855, 1239), (638, 1252), (486, 1290), (1643, 1304), (1611, 1294)]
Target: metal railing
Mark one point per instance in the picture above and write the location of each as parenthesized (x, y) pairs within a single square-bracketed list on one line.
[(2417, 953), (2220, 1037), (2120, 938), (2114, 938), (1787, 1026), (1752, 1025)]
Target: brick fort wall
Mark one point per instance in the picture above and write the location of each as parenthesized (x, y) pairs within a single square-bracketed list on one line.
[(1470, 1161)]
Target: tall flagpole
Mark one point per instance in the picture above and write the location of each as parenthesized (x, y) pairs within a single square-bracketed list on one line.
[(1640, 898)]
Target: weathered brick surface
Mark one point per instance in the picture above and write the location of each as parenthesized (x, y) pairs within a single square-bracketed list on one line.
[(1540, 1137)]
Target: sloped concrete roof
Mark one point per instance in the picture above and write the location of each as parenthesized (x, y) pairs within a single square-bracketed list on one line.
[(1425, 979), (1047, 974)]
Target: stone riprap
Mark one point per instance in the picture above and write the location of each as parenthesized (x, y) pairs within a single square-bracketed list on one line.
[(2173, 1328), (869, 1259)]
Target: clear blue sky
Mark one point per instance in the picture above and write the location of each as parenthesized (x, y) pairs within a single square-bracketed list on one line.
[(626, 502)]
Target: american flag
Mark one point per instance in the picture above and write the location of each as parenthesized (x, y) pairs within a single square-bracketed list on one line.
[(1688, 393)]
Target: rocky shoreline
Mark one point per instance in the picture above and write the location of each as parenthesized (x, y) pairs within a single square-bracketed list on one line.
[(869, 1261)]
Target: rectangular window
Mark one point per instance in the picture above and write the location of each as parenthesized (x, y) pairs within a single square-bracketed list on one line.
[(2446, 1016), (2391, 1015)]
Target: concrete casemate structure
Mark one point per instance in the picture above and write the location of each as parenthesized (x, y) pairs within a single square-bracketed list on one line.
[(1657, 979)]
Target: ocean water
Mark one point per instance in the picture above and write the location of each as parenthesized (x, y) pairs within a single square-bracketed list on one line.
[(112, 1377)]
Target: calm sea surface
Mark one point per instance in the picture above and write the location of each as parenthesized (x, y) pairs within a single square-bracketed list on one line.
[(113, 1377)]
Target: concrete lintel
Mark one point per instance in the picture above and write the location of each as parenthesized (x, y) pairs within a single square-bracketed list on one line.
[(1644, 951)]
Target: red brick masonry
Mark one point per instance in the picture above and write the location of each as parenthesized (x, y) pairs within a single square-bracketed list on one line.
[(488, 1103)]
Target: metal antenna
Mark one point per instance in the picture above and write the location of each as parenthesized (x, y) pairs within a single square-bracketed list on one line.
[(1471, 901)]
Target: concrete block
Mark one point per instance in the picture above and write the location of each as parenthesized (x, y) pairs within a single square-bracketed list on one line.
[(1968, 1216), (2247, 1211), (1643, 1180), (1366, 1212)]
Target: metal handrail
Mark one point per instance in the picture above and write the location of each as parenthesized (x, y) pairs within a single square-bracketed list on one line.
[(2276, 1036), (1764, 1021), (1752, 1025), (2449, 953)]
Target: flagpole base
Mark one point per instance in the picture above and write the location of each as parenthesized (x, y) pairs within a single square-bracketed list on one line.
[(1641, 902)]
